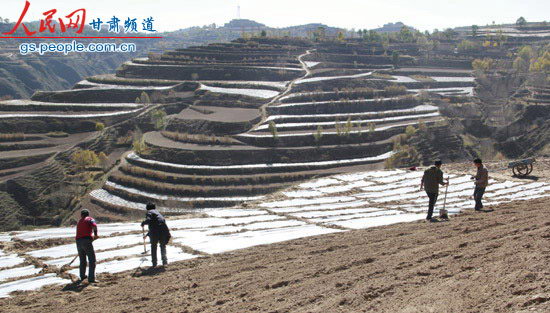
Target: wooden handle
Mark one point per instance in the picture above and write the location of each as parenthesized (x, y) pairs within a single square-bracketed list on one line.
[(144, 244), (76, 256)]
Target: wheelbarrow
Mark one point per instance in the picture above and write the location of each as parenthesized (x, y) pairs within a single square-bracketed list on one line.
[(522, 168)]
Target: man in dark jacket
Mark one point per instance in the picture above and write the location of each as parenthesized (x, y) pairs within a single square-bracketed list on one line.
[(432, 178), (158, 233), (481, 182), (86, 233)]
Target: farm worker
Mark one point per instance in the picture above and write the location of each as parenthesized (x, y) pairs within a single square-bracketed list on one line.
[(481, 182), (84, 243), (432, 178), (158, 233)]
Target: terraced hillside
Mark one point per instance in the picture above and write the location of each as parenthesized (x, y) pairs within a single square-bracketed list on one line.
[(41, 135), (249, 142), (271, 113), (226, 123), (513, 91), (54, 121)]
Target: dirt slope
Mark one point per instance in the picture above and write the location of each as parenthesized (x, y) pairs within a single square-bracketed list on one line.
[(478, 262)]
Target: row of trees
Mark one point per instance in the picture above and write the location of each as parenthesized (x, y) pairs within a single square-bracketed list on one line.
[(406, 34), (341, 130), (528, 60), (533, 60)]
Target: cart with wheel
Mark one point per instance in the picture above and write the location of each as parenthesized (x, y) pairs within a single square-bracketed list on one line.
[(522, 168)]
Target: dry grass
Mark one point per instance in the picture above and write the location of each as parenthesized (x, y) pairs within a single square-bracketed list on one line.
[(395, 90), (168, 188), (211, 180), (198, 138), (339, 94), (12, 137), (57, 134), (381, 76), (423, 78)]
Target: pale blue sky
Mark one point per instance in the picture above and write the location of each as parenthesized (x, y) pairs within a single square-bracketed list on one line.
[(423, 14)]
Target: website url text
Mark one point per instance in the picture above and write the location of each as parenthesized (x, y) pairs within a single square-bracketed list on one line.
[(74, 46)]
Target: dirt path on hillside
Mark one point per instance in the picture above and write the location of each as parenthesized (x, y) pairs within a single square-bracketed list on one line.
[(286, 90), (291, 84), (484, 262)]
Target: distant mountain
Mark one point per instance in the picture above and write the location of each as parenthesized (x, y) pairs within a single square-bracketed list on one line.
[(21, 75), (391, 28), (239, 24), (304, 30)]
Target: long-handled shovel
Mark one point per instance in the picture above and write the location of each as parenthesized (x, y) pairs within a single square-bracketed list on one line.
[(443, 212), (144, 257), (68, 265), (144, 244)]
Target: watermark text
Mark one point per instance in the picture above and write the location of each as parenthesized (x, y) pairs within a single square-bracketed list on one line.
[(74, 46)]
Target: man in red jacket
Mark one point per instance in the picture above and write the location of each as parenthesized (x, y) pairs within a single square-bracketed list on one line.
[(84, 244)]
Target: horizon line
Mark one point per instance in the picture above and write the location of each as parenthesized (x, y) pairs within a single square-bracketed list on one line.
[(81, 37)]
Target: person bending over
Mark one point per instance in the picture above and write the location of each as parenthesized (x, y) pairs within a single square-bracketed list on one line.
[(432, 178), (158, 233)]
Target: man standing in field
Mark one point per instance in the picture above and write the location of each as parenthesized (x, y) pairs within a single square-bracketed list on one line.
[(84, 244), (432, 178), (158, 233), (481, 182)]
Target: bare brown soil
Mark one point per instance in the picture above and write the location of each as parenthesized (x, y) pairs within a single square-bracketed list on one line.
[(478, 262)]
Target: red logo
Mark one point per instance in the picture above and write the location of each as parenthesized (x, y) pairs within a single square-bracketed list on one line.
[(75, 20)]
